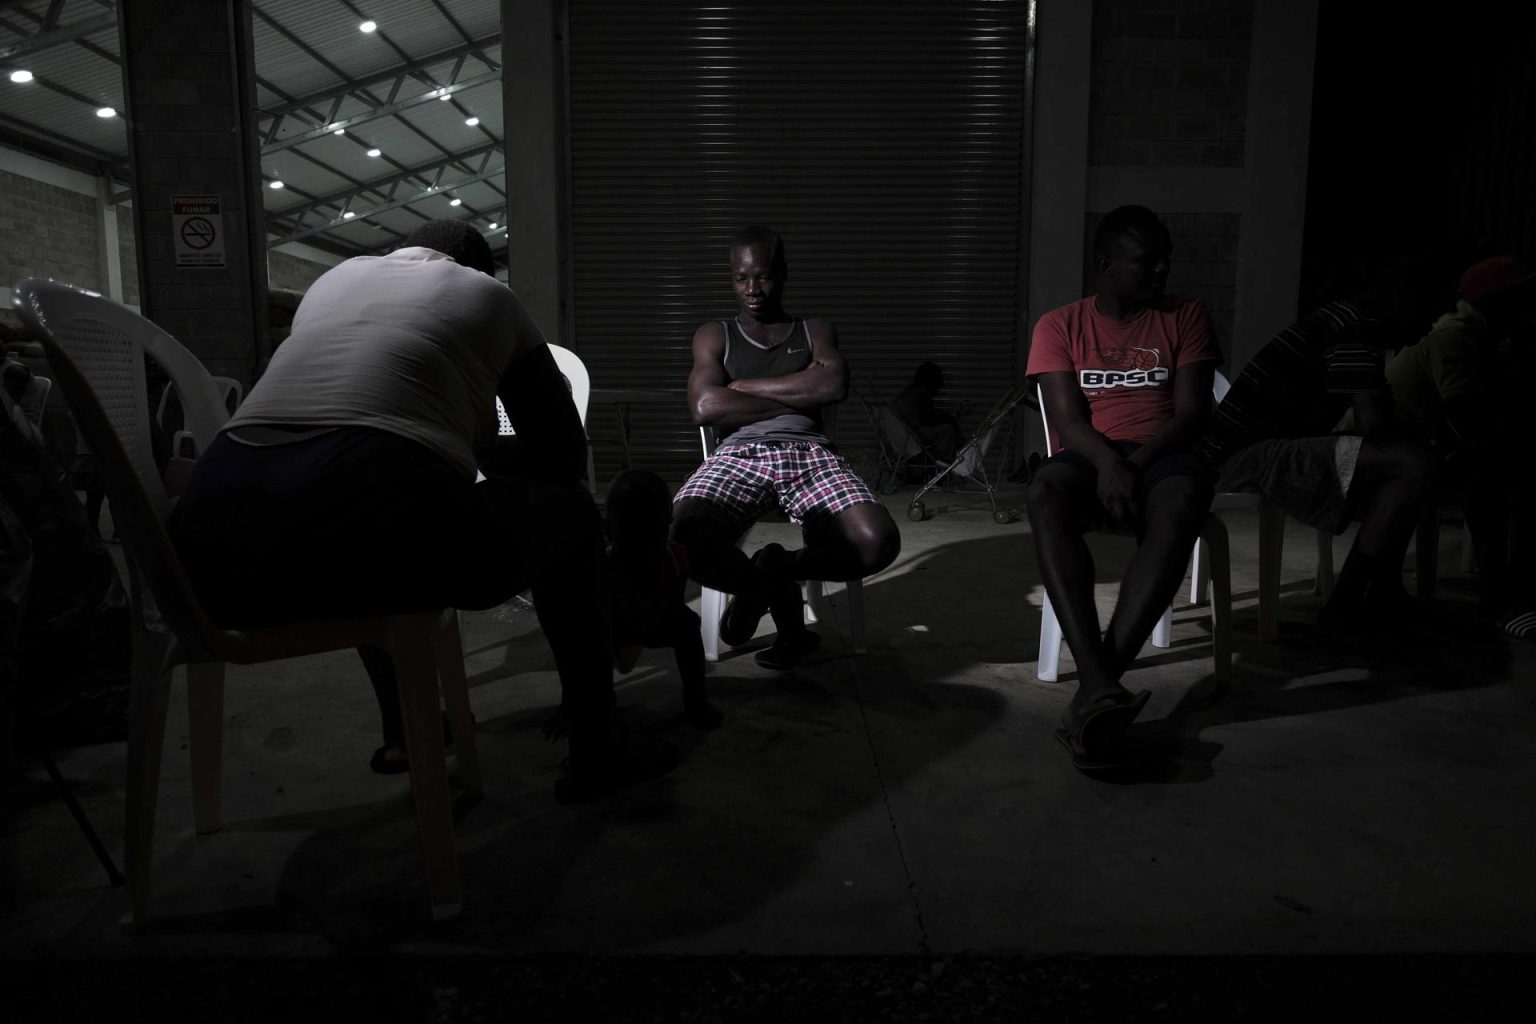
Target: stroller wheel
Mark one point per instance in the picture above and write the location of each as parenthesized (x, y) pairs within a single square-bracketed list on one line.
[(916, 512), (1002, 516)]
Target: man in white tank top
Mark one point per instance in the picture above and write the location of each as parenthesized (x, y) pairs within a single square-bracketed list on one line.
[(346, 484), (763, 381)]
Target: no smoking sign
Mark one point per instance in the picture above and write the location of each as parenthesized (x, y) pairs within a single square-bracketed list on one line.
[(197, 227)]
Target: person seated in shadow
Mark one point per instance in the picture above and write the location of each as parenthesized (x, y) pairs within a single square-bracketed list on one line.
[(1126, 377), (345, 485), (764, 379), (1460, 389), (917, 408), (1273, 434), (649, 573)]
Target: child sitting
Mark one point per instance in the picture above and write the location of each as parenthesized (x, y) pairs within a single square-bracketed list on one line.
[(648, 575)]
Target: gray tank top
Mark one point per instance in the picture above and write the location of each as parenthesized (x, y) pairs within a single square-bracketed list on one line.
[(745, 359)]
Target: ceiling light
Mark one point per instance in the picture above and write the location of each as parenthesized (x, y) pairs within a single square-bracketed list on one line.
[(446, 95), (493, 226), (348, 215), (21, 77), (455, 202), (368, 26), (106, 112), (274, 185), (339, 131), (471, 121), (375, 152)]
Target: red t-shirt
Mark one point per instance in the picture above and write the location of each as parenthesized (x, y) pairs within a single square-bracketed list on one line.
[(1125, 367)]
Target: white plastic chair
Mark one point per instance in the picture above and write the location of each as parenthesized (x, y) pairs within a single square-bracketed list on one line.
[(580, 383), (1271, 543), (96, 349), (1218, 568), (818, 593)]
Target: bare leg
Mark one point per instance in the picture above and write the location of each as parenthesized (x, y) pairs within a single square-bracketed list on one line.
[(1061, 497), (1175, 508), (1392, 479)]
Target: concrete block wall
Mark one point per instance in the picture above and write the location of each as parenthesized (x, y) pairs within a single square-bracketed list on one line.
[(1168, 100), (48, 231), (1169, 82), (126, 256), (292, 273)]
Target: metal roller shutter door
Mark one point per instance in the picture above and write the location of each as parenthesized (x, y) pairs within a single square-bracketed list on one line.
[(885, 142)]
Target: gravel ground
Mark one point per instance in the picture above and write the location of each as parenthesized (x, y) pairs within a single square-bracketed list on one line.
[(729, 989)]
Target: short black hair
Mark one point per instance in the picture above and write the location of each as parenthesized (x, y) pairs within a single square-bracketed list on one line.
[(457, 239), (639, 507), (757, 234), (1136, 222)]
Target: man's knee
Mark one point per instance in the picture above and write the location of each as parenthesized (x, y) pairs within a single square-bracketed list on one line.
[(1403, 461), (870, 533), (1052, 494), (1185, 496), (700, 524)]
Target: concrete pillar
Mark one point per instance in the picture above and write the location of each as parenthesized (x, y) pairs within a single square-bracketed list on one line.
[(1278, 128), (108, 255), (534, 110), (189, 79), (1059, 171)]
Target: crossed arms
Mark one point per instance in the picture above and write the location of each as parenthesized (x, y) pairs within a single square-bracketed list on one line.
[(713, 401)]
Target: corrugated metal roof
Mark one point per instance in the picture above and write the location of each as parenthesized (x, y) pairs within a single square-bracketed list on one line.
[(308, 50)]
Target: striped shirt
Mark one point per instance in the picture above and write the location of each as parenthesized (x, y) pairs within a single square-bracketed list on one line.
[(1301, 382)]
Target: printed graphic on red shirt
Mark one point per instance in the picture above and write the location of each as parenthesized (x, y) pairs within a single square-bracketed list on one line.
[(1124, 368)]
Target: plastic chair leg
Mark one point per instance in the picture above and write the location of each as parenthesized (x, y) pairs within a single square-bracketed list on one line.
[(1197, 573), (1271, 546), (1219, 566), (711, 607), (1048, 664), (147, 703), (1324, 565), (1162, 633), (461, 719), (855, 595), (205, 740), (412, 641)]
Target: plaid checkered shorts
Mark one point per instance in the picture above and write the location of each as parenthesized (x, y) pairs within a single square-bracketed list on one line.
[(805, 480)]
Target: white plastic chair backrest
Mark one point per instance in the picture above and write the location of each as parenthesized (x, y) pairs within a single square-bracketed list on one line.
[(1219, 386), (1045, 421), (96, 349), (107, 342), (576, 378), (229, 388)]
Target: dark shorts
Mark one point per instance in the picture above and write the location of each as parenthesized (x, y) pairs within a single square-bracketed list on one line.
[(1174, 464), (360, 522)]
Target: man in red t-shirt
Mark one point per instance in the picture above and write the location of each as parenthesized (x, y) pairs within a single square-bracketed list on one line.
[(1126, 376)]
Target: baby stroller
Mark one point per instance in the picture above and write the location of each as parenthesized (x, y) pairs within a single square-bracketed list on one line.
[(903, 447)]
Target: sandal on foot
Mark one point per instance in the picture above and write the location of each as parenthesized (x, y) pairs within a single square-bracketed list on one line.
[(1093, 735), (785, 652)]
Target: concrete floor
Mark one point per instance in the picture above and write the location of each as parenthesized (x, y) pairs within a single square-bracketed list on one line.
[(907, 801)]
